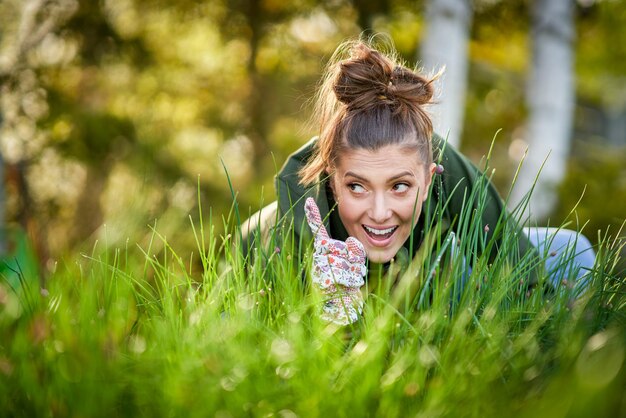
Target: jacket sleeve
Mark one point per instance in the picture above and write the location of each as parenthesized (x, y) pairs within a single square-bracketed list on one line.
[(291, 195), (257, 229)]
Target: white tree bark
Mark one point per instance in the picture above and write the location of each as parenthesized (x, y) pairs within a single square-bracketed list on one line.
[(445, 44), (550, 99)]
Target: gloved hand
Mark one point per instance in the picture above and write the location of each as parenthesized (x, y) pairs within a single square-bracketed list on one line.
[(338, 270)]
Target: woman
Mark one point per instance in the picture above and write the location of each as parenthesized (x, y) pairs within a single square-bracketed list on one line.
[(369, 185)]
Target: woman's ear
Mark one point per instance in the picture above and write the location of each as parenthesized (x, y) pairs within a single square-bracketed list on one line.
[(431, 172), (429, 177)]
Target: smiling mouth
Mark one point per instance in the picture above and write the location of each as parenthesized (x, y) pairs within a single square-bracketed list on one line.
[(379, 234)]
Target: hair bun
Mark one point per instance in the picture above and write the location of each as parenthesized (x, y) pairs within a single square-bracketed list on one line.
[(409, 86), (368, 78), (362, 77)]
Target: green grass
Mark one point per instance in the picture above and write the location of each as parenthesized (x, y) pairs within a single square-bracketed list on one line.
[(144, 331)]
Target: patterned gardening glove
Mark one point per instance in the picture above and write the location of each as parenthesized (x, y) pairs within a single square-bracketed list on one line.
[(338, 270)]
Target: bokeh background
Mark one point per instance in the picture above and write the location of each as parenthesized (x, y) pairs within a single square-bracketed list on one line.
[(119, 115)]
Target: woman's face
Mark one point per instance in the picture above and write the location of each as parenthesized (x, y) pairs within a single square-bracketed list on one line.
[(380, 196)]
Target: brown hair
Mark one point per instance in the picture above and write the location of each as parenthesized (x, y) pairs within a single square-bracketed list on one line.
[(368, 100)]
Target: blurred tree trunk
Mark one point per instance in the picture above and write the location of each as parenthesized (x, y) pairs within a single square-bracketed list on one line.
[(257, 126), (3, 231), (550, 98), (26, 215), (445, 44), (253, 20), (367, 11), (89, 214)]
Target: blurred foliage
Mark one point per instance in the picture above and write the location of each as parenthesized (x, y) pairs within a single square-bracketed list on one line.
[(131, 110)]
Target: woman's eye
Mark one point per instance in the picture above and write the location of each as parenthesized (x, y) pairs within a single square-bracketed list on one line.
[(356, 188), (400, 187)]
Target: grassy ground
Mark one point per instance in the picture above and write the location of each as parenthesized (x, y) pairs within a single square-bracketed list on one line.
[(149, 332)]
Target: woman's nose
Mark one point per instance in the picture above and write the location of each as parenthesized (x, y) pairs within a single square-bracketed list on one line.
[(380, 210)]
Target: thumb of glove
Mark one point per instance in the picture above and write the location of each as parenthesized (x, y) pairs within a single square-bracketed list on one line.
[(314, 219), (356, 251)]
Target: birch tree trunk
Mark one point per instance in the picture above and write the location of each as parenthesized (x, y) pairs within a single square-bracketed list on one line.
[(445, 44), (550, 99)]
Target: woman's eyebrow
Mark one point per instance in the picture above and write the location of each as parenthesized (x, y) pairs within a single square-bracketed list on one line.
[(392, 178), (356, 176), (400, 175)]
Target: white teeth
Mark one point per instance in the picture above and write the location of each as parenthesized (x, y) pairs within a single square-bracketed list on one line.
[(379, 231)]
